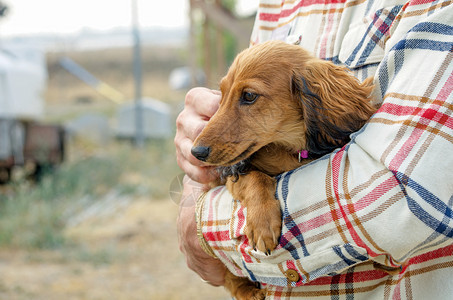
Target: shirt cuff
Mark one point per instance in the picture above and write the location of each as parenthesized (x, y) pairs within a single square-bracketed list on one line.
[(198, 214)]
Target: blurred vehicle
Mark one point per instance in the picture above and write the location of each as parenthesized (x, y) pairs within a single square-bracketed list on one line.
[(24, 139)]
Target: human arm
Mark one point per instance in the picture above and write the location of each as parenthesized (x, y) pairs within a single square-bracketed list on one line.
[(208, 268), (386, 196), (200, 106)]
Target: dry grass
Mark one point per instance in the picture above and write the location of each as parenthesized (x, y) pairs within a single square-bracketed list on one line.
[(103, 225), (129, 254)]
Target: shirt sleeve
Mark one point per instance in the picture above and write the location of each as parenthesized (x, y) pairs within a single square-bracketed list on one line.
[(386, 196)]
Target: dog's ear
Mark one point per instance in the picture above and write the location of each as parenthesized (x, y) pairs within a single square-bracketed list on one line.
[(334, 103)]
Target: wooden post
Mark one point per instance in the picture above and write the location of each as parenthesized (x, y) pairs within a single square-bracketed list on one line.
[(215, 15)]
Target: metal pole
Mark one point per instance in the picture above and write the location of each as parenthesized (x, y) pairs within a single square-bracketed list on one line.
[(139, 134), (192, 46)]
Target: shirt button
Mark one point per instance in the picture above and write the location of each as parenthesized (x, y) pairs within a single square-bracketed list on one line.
[(292, 275)]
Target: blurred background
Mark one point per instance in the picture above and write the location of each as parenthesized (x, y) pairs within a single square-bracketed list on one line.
[(89, 185)]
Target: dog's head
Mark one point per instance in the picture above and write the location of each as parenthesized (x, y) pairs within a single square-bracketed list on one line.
[(278, 93)]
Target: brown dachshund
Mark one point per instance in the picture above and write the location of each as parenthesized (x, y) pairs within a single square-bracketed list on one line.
[(280, 108)]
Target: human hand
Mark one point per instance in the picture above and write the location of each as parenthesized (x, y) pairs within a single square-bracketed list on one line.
[(208, 268), (200, 105)]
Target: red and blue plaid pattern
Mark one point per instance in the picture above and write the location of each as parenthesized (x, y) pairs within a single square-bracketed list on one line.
[(374, 219)]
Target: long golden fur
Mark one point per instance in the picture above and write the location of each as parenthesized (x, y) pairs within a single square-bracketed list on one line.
[(277, 99)]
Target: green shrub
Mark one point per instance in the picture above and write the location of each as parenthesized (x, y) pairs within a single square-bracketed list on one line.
[(33, 215)]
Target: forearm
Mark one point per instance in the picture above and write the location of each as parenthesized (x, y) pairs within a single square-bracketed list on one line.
[(385, 197), (207, 267)]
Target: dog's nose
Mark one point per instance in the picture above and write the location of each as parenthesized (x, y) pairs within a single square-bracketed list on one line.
[(201, 152)]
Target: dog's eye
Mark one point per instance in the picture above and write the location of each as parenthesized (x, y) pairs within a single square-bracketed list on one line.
[(248, 97)]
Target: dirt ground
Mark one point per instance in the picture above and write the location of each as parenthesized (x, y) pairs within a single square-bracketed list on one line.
[(127, 251), (130, 253)]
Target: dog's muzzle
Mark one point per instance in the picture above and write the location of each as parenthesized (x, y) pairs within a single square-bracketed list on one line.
[(201, 153)]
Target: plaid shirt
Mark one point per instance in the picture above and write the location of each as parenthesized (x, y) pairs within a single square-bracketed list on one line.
[(384, 201)]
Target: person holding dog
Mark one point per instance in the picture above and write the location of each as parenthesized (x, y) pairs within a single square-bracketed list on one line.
[(372, 220)]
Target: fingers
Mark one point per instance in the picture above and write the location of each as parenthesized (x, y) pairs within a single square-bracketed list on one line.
[(202, 175), (194, 168), (203, 101), (200, 105), (183, 149), (189, 123)]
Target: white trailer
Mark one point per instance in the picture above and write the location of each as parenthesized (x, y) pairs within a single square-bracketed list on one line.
[(23, 80)]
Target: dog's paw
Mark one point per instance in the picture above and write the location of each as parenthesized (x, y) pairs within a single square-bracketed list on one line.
[(241, 288), (251, 294), (264, 226), (259, 294)]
